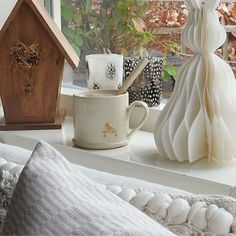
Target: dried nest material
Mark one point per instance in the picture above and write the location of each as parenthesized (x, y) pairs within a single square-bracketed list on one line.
[(24, 57)]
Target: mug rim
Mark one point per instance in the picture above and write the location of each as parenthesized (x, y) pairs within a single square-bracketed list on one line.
[(82, 94)]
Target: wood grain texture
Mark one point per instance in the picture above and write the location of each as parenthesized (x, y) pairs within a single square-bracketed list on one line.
[(57, 124), (50, 26), (55, 33), (39, 106)]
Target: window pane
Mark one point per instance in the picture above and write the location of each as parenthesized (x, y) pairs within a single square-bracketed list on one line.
[(98, 26), (134, 27)]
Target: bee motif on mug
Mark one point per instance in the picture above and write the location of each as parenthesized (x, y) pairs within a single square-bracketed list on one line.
[(109, 129)]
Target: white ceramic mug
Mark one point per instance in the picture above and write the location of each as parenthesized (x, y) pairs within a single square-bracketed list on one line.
[(104, 71), (101, 119)]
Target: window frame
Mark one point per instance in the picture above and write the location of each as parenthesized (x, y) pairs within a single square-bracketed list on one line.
[(67, 93), (54, 8)]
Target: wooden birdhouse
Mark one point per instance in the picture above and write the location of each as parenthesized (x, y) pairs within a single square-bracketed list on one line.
[(32, 55)]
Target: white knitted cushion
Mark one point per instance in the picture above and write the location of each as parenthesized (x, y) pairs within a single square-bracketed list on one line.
[(51, 198), (181, 212)]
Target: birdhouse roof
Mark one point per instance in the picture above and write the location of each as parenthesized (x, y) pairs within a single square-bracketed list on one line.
[(50, 26)]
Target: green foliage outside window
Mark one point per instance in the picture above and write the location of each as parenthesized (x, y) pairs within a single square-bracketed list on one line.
[(115, 26)]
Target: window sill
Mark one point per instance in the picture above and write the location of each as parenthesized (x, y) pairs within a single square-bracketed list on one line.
[(139, 159)]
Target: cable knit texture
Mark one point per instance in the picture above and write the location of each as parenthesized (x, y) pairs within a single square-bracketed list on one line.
[(187, 214), (182, 213), (9, 174), (51, 198)]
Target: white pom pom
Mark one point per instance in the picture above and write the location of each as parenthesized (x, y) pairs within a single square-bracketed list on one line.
[(221, 222), (4, 173), (211, 211), (141, 199), (199, 220), (158, 205), (114, 189), (178, 212), (194, 209), (127, 194)]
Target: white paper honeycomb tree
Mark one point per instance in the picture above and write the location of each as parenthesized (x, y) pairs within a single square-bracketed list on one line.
[(199, 121)]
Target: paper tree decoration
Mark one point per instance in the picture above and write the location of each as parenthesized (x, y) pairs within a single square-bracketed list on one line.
[(199, 119)]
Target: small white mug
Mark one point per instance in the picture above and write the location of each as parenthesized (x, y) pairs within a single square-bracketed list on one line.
[(104, 71), (101, 119)]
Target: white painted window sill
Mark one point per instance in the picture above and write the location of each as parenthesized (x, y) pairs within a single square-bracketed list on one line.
[(139, 159)]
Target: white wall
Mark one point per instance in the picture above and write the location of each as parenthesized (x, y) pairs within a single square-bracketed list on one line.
[(5, 9)]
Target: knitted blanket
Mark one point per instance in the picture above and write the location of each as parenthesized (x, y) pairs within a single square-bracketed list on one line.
[(181, 213)]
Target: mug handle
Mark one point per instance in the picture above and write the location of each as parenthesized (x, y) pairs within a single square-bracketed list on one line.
[(144, 106)]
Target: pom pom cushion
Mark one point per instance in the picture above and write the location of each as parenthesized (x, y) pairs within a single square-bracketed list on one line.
[(181, 212), (52, 198)]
